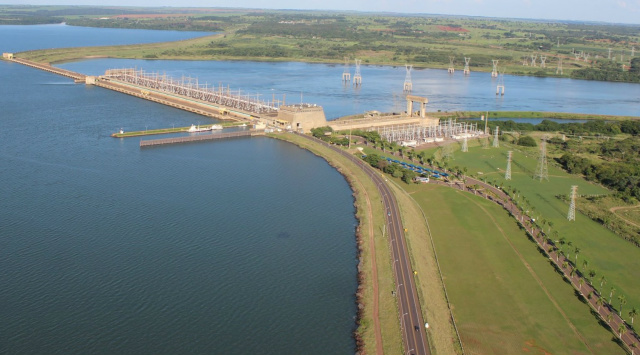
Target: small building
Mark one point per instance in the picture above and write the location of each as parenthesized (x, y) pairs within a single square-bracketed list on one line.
[(7, 55), (90, 80), (302, 117)]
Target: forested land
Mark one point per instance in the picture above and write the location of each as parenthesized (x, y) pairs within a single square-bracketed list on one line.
[(432, 41)]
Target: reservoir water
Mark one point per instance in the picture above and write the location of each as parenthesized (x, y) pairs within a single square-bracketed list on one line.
[(238, 247), (233, 247)]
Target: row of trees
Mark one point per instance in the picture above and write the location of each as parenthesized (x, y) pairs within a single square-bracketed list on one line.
[(551, 242), (574, 128)]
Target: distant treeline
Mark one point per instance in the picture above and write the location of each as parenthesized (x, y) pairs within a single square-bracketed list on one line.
[(573, 128), (29, 20), (620, 172), (607, 70)]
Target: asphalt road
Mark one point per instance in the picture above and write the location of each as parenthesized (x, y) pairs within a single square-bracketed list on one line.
[(411, 321)]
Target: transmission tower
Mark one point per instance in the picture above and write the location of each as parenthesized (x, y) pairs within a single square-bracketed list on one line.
[(533, 59), (633, 51), (357, 78), (408, 86), (577, 55), (447, 152), (559, 69), (465, 145), (496, 143), (451, 69), (507, 175), (494, 72), (542, 170), (609, 54), (466, 70), (525, 61), (346, 75), (485, 143), (543, 59), (500, 85), (571, 216)]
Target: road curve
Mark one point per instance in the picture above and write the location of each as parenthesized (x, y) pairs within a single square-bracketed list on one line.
[(411, 322)]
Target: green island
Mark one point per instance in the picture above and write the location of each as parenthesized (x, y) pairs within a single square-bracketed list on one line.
[(587, 50), (485, 286)]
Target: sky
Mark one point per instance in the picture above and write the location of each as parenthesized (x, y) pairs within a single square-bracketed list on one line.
[(613, 11)]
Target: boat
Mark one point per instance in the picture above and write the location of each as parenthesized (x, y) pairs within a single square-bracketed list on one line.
[(195, 128)]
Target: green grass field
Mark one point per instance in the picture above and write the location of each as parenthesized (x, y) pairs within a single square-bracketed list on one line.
[(607, 253), (506, 297)]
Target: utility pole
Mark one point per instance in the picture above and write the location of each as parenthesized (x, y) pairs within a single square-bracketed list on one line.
[(494, 72), (496, 143), (451, 69), (466, 70)]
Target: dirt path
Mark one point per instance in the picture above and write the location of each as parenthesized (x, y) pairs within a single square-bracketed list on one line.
[(614, 209), (534, 275)]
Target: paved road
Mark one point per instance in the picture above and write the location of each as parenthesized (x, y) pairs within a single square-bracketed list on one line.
[(411, 321)]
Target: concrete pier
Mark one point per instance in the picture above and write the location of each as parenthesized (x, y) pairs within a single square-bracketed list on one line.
[(200, 138)]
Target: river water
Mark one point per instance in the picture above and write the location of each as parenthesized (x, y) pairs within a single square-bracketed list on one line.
[(241, 246), (233, 247)]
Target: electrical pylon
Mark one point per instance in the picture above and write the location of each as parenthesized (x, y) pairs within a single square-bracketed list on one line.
[(559, 69), (465, 145), (571, 216), (408, 85), (507, 175), (525, 61), (542, 170), (496, 143), (494, 72), (357, 77), (609, 54), (533, 59), (451, 69), (346, 75), (543, 59), (500, 85), (633, 51), (466, 70)]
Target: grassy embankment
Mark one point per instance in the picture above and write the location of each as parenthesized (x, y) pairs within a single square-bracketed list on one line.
[(151, 132), (371, 219), (607, 254), (506, 297), (441, 333)]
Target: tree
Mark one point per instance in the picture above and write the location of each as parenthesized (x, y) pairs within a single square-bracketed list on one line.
[(550, 224), (527, 141), (585, 263), (565, 264), (633, 347), (599, 302), (623, 301), (576, 251), (609, 317), (580, 283), (622, 328), (592, 274), (603, 281), (613, 290), (633, 313)]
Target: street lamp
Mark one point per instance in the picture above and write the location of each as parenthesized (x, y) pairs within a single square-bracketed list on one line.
[(402, 320)]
